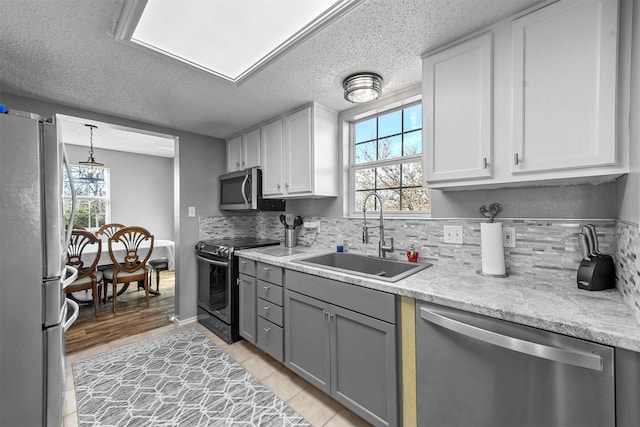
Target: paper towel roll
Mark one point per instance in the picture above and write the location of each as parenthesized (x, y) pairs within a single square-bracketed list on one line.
[(492, 249)]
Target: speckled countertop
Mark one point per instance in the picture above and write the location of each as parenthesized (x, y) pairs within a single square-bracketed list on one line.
[(561, 307)]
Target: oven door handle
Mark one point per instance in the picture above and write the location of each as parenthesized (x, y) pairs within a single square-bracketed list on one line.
[(210, 261)]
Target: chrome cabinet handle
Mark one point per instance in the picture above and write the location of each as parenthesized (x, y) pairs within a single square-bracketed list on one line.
[(266, 288), (267, 330), (516, 159), (286, 185), (243, 262), (266, 268), (278, 186), (485, 163), (560, 355), (267, 308)]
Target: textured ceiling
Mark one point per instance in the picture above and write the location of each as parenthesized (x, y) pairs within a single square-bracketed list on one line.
[(63, 51)]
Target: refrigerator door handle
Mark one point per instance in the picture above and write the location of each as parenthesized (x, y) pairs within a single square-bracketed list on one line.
[(69, 280), (74, 316), (556, 354), (72, 217)]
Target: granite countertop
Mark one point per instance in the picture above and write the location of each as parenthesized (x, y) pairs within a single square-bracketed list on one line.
[(561, 307)]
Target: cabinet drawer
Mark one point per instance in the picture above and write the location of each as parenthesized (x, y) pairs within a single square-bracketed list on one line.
[(269, 273), (247, 266), (270, 338), (270, 292), (270, 311)]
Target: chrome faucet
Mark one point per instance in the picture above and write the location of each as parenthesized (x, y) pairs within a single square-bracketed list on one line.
[(383, 248)]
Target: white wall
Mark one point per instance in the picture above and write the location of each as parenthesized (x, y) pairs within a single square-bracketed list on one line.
[(141, 188)]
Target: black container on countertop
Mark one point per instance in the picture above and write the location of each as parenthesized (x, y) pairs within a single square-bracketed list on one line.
[(597, 274)]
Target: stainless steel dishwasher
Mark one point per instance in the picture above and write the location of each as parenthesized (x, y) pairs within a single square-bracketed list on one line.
[(474, 370)]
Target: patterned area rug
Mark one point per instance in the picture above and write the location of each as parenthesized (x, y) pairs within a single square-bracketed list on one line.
[(177, 379)]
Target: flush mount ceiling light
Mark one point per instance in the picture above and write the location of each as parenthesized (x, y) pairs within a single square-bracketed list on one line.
[(93, 171), (231, 39), (362, 87)]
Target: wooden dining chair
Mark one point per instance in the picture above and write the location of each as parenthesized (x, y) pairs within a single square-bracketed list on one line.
[(88, 276), (108, 230), (157, 265), (131, 266)]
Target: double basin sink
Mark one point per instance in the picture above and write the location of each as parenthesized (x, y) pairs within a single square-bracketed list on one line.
[(384, 269)]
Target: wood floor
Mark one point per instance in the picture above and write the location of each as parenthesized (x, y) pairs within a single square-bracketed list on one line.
[(132, 316)]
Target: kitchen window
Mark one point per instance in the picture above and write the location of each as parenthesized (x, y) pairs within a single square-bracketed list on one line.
[(93, 199), (386, 157)]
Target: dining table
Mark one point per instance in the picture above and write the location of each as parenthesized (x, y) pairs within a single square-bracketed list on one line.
[(161, 249)]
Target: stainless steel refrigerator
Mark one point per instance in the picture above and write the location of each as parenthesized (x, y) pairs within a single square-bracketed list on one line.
[(34, 313)]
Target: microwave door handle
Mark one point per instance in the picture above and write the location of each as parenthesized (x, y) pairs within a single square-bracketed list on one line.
[(244, 189)]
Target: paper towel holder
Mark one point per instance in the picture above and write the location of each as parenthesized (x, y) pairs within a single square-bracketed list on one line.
[(492, 212), (499, 276)]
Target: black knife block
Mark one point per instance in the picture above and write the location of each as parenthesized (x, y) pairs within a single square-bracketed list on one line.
[(597, 274)]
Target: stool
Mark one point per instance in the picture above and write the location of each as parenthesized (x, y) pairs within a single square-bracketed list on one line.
[(157, 265)]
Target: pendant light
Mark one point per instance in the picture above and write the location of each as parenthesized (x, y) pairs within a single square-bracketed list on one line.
[(362, 87), (92, 171)]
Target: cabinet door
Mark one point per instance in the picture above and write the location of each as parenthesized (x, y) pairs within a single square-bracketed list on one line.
[(247, 316), (299, 154), (251, 149), (307, 339), (363, 363), (272, 163), (564, 86), (234, 154), (457, 108)]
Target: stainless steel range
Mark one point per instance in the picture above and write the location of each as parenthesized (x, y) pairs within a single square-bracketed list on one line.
[(218, 305)]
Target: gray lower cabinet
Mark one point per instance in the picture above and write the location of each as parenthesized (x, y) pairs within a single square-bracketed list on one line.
[(347, 354), (247, 315), (269, 310)]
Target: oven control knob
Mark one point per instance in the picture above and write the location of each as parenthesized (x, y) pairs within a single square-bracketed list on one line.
[(223, 252)]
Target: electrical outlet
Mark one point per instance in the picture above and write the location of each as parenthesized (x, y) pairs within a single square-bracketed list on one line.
[(453, 234), (192, 211), (509, 237), (309, 224)]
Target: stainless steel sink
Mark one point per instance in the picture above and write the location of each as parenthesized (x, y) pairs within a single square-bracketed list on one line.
[(363, 265)]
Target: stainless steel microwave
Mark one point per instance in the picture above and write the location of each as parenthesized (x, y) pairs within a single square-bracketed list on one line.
[(242, 191)]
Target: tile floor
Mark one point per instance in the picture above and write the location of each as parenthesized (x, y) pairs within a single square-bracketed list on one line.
[(311, 403)]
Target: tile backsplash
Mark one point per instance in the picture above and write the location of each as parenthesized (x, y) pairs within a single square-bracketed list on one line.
[(543, 247), (628, 265)]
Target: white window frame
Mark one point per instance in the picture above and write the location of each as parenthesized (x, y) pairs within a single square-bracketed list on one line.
[(347, 118), (107, 198)]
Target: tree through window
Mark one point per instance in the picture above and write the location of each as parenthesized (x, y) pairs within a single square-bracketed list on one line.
[(93, 199), (387, 158)]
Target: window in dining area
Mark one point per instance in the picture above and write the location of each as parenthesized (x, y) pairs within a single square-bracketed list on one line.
[(93, 198)]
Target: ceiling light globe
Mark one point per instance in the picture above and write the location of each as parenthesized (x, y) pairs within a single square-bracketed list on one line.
[(362, 87)]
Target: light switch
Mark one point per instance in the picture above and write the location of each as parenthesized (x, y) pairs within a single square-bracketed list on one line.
[(192, 211)]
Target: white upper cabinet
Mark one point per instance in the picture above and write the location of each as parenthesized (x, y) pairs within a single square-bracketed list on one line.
[(537, 96), (234, 154), (564, 86), (272, 149), (243, 151), (303, 163), (457, 106)]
